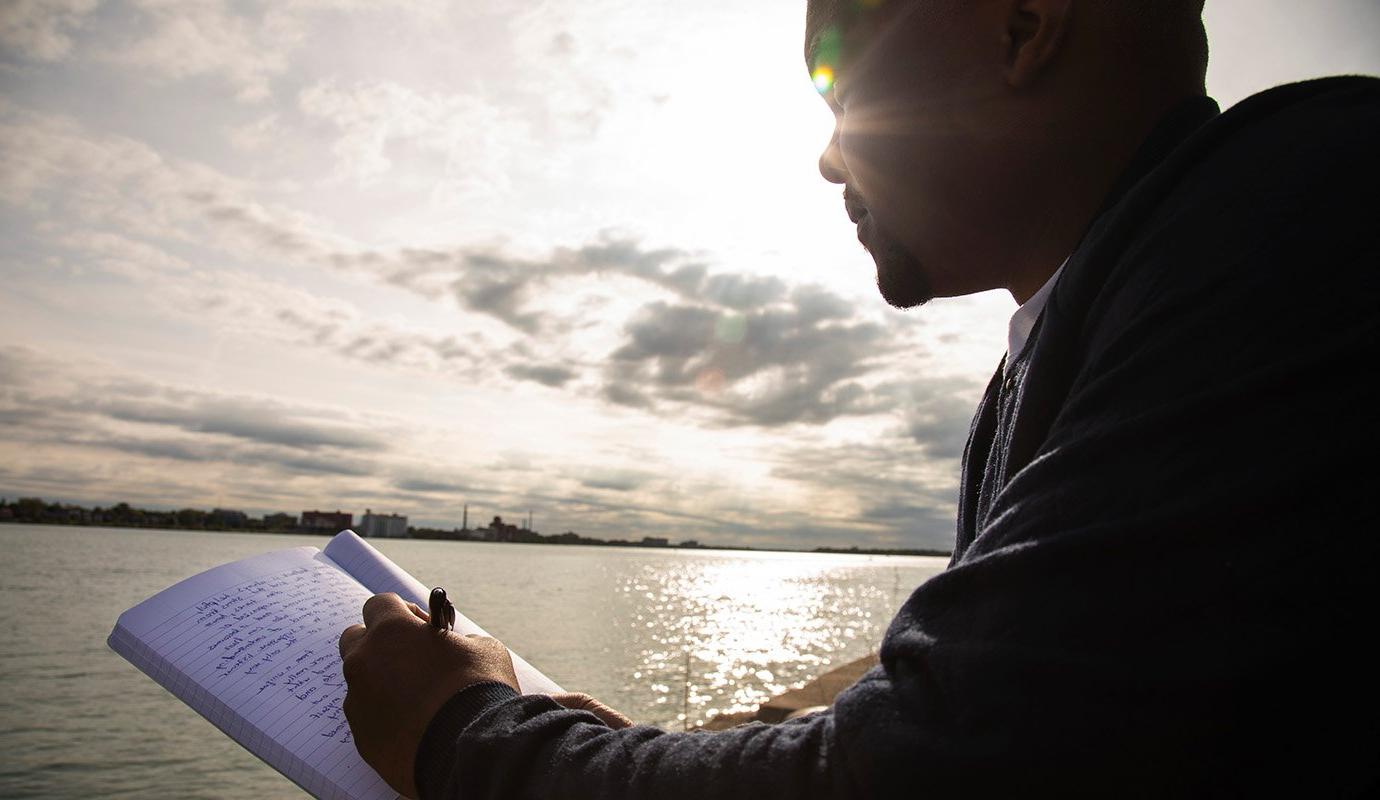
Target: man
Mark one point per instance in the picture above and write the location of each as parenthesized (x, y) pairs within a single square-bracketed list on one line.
[(1164, 577)]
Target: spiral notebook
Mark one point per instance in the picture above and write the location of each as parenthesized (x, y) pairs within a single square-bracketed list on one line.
[(252, 647)]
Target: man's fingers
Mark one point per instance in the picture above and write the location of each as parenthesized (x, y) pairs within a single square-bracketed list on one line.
[(382, 606), (376, 609), (349, 640)]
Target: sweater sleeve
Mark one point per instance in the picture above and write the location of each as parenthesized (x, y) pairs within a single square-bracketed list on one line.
[(489, 742)]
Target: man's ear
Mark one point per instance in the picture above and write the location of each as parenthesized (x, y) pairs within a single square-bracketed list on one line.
[(1035, 32)]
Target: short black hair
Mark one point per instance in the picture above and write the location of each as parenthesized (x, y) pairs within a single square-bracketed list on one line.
[(1168, 32)]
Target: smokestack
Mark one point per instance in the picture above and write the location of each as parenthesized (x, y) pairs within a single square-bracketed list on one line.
[(464, 526)]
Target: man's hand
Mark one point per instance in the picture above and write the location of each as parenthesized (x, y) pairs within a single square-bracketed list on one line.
[(399, 671)]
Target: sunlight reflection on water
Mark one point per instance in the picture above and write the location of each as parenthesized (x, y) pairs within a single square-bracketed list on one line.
[(724, 634), (619, 623)]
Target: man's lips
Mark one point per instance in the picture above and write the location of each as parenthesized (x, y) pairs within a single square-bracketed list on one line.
[(855, 208), (858, 214)]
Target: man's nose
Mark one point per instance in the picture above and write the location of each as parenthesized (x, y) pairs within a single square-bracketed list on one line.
[(831, 162)]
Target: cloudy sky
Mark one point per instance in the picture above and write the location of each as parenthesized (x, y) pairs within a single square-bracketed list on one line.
[(566, 256)]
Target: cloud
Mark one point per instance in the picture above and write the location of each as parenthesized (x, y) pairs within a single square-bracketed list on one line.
[(615, 480), (938, 414), (547, 375), (501, 289), (426, 485), (245, 46), (466, 142), (251, 419), (887, 485), (273, 311), (624, 395), (256, 135), (739, 348), (202, 452), (53, 167), (676, 270), (45, 403), (768, 367), (202, 37), (41, 30)]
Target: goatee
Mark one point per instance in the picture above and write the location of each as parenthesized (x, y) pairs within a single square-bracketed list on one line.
[(900, 277)]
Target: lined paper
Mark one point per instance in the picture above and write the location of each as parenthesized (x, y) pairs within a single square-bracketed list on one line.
[(252, 646), (374, 570)]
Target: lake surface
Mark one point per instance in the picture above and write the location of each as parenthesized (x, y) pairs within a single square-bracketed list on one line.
[(657, 634)]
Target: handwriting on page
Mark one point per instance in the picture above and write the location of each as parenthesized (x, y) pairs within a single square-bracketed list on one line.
[(269, 649)]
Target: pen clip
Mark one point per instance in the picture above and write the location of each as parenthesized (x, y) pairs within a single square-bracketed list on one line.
[(442, 610)]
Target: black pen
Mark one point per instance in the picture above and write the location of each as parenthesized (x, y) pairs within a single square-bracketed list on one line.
[(442, 611)]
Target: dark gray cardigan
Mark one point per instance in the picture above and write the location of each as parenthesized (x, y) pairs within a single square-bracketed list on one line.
[(1167, 553)]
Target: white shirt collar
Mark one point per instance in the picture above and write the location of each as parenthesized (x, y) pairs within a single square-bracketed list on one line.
[(1023, 321)]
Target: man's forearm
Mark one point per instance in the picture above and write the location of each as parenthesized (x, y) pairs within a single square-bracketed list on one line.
[(488, 742)]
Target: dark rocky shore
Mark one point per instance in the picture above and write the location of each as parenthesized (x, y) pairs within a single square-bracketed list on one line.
[(818, 693)]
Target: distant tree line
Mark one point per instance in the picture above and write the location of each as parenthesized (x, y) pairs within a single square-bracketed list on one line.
[(34, 510), (885, 551)]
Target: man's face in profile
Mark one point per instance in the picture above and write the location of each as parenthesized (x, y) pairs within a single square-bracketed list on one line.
[(836, 38), (922, 175)]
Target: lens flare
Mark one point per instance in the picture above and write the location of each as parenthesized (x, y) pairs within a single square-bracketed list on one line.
[(710, 381), (823, 78), (730, 328)]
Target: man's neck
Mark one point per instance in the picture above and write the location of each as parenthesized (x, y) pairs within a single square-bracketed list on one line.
[(1030, 283), (1084, 187)]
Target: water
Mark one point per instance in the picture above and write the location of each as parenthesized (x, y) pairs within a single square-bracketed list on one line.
[(76, 720)]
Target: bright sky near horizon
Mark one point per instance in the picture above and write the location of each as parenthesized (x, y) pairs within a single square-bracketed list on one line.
[(567, 256)]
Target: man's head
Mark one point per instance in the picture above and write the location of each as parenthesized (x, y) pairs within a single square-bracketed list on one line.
[(976, 138)]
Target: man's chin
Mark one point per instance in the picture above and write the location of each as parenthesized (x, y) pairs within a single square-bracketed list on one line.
[(900, 277)]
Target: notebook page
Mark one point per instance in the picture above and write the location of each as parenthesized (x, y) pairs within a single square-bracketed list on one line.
[(375, 570), (379, 574), (252, 647)]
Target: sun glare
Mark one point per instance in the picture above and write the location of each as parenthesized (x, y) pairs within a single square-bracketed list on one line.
[(824, 78)]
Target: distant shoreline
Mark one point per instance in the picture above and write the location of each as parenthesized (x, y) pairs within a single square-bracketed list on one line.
[(584, 542)]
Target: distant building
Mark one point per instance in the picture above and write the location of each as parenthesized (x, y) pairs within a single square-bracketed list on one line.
[(278, 522), (226, 518), (500, 531), (655, 541), (383, 526), (330, 521)]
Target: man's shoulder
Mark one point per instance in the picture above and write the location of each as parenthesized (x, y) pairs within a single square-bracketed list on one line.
[(1293, 130), (1273, 153), (1276, 196), (1250, 244), (1335, 93)]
